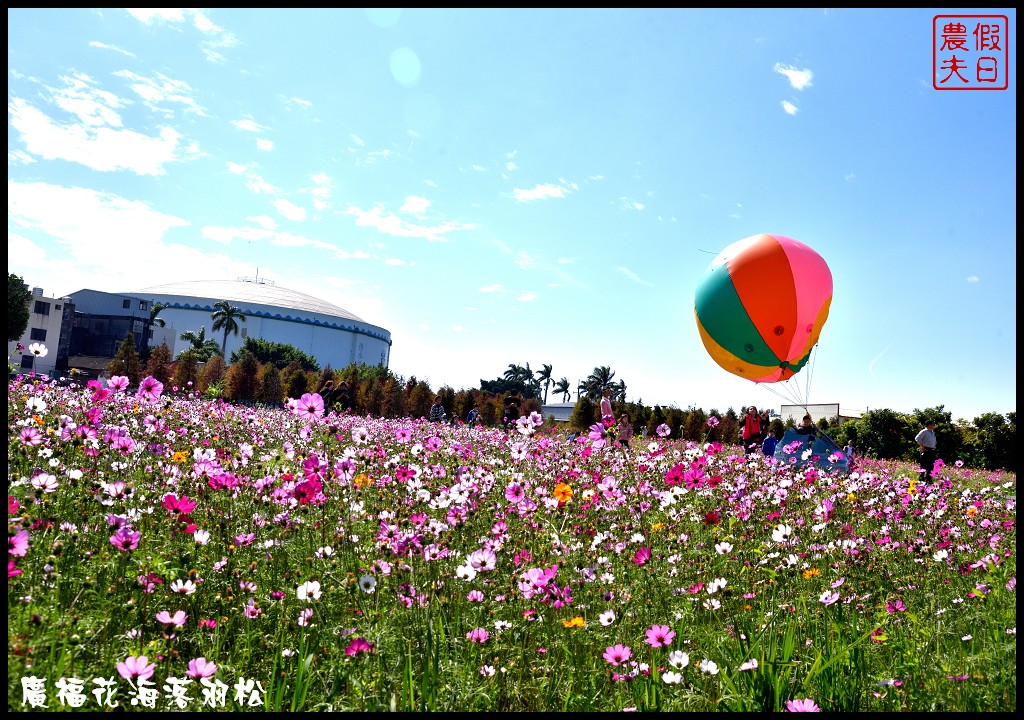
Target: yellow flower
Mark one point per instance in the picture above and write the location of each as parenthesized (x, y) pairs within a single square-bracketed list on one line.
[(851, 497), (811, 572), (563, 492), (362, 480), (575, 622), (657, 526), (972, 511), (179, 456)]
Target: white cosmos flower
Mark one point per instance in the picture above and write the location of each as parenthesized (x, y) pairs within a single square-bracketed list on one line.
[(35, 405), (309, 590), (672, 678), (678, 659), (607, 617), (781, 533), (723, 548), (709, 666), (367, 583), (38, 349)]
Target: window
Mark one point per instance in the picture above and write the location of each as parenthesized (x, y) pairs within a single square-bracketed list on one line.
[(26, 361), (56, 307), (143, 305), (41, 308), (126, 304), (38, 334)]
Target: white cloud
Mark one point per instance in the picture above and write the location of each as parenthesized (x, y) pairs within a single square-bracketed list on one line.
[(565, 261), (790, 108), (633, 276), (104, 46), (290, 210), (973, 278), (415, 205), (264, 144), (100, 148), (457, 328), (799, 79), (527, 297), (540, 192), (390, 224), (395, 261), (248, 125), (491, 288)]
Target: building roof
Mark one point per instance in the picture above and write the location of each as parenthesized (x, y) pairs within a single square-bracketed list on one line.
[(247, 291)]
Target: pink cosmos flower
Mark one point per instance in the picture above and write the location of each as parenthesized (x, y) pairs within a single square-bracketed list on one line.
[(18, 544), (663, 430), (177, 619), (117, 382), (478, 635), (802, 705), (150, 388), (660, 636), (359, 646), (12, 505), (200, 668), (309, 407), (712, 422), (136, 667), (125, 539), (12, 571), (305, 616), (895, 606), (31, 436), (617, 654)]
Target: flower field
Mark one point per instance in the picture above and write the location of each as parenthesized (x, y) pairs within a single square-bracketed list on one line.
[(168, 552)]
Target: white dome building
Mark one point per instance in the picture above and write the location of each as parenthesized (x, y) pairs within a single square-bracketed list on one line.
[(331, 334)]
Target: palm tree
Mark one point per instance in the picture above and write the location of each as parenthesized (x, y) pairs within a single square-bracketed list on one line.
[(562, 386), (598, 380), (154, 312), (203, 348), (226, 318), (544, 376), (619, 391)]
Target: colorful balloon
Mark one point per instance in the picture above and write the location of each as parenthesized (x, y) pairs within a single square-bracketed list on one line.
[(761, 306)]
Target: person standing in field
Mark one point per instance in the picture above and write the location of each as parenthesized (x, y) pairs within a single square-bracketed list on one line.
[(769, 444), (750, 432), (606, 405), (928, 449), (437, 411)]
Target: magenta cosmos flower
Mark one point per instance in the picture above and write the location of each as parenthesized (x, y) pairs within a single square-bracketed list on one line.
[(359, 646), (660, 636), (309, 406), (200, 668), (617, 654), (136, 667), (125, 539), (18, 544), (180, 505), (478, 635), (150, 388), (802, 705)]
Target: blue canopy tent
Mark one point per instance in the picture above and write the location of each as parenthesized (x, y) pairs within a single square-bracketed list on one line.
[(822, 448)]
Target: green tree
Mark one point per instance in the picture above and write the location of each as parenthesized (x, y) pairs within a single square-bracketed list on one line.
[(154, 315), (242, 383), (186, 371), (583, 415), (227, 318), (159, 363), (271, 391), (886, 434), (212, 373), (994, 444), (419, 399), (126, 361), (202, 347), (544, 378), (18, 299), (280, 354)]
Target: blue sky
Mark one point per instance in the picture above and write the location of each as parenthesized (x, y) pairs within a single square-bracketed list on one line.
[(534, 186)]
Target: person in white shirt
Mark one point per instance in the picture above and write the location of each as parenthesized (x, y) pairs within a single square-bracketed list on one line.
[(928, 449)]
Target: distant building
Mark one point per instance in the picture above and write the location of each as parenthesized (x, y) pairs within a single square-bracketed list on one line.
[(322, 330), (45, 322), (560, 411)]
